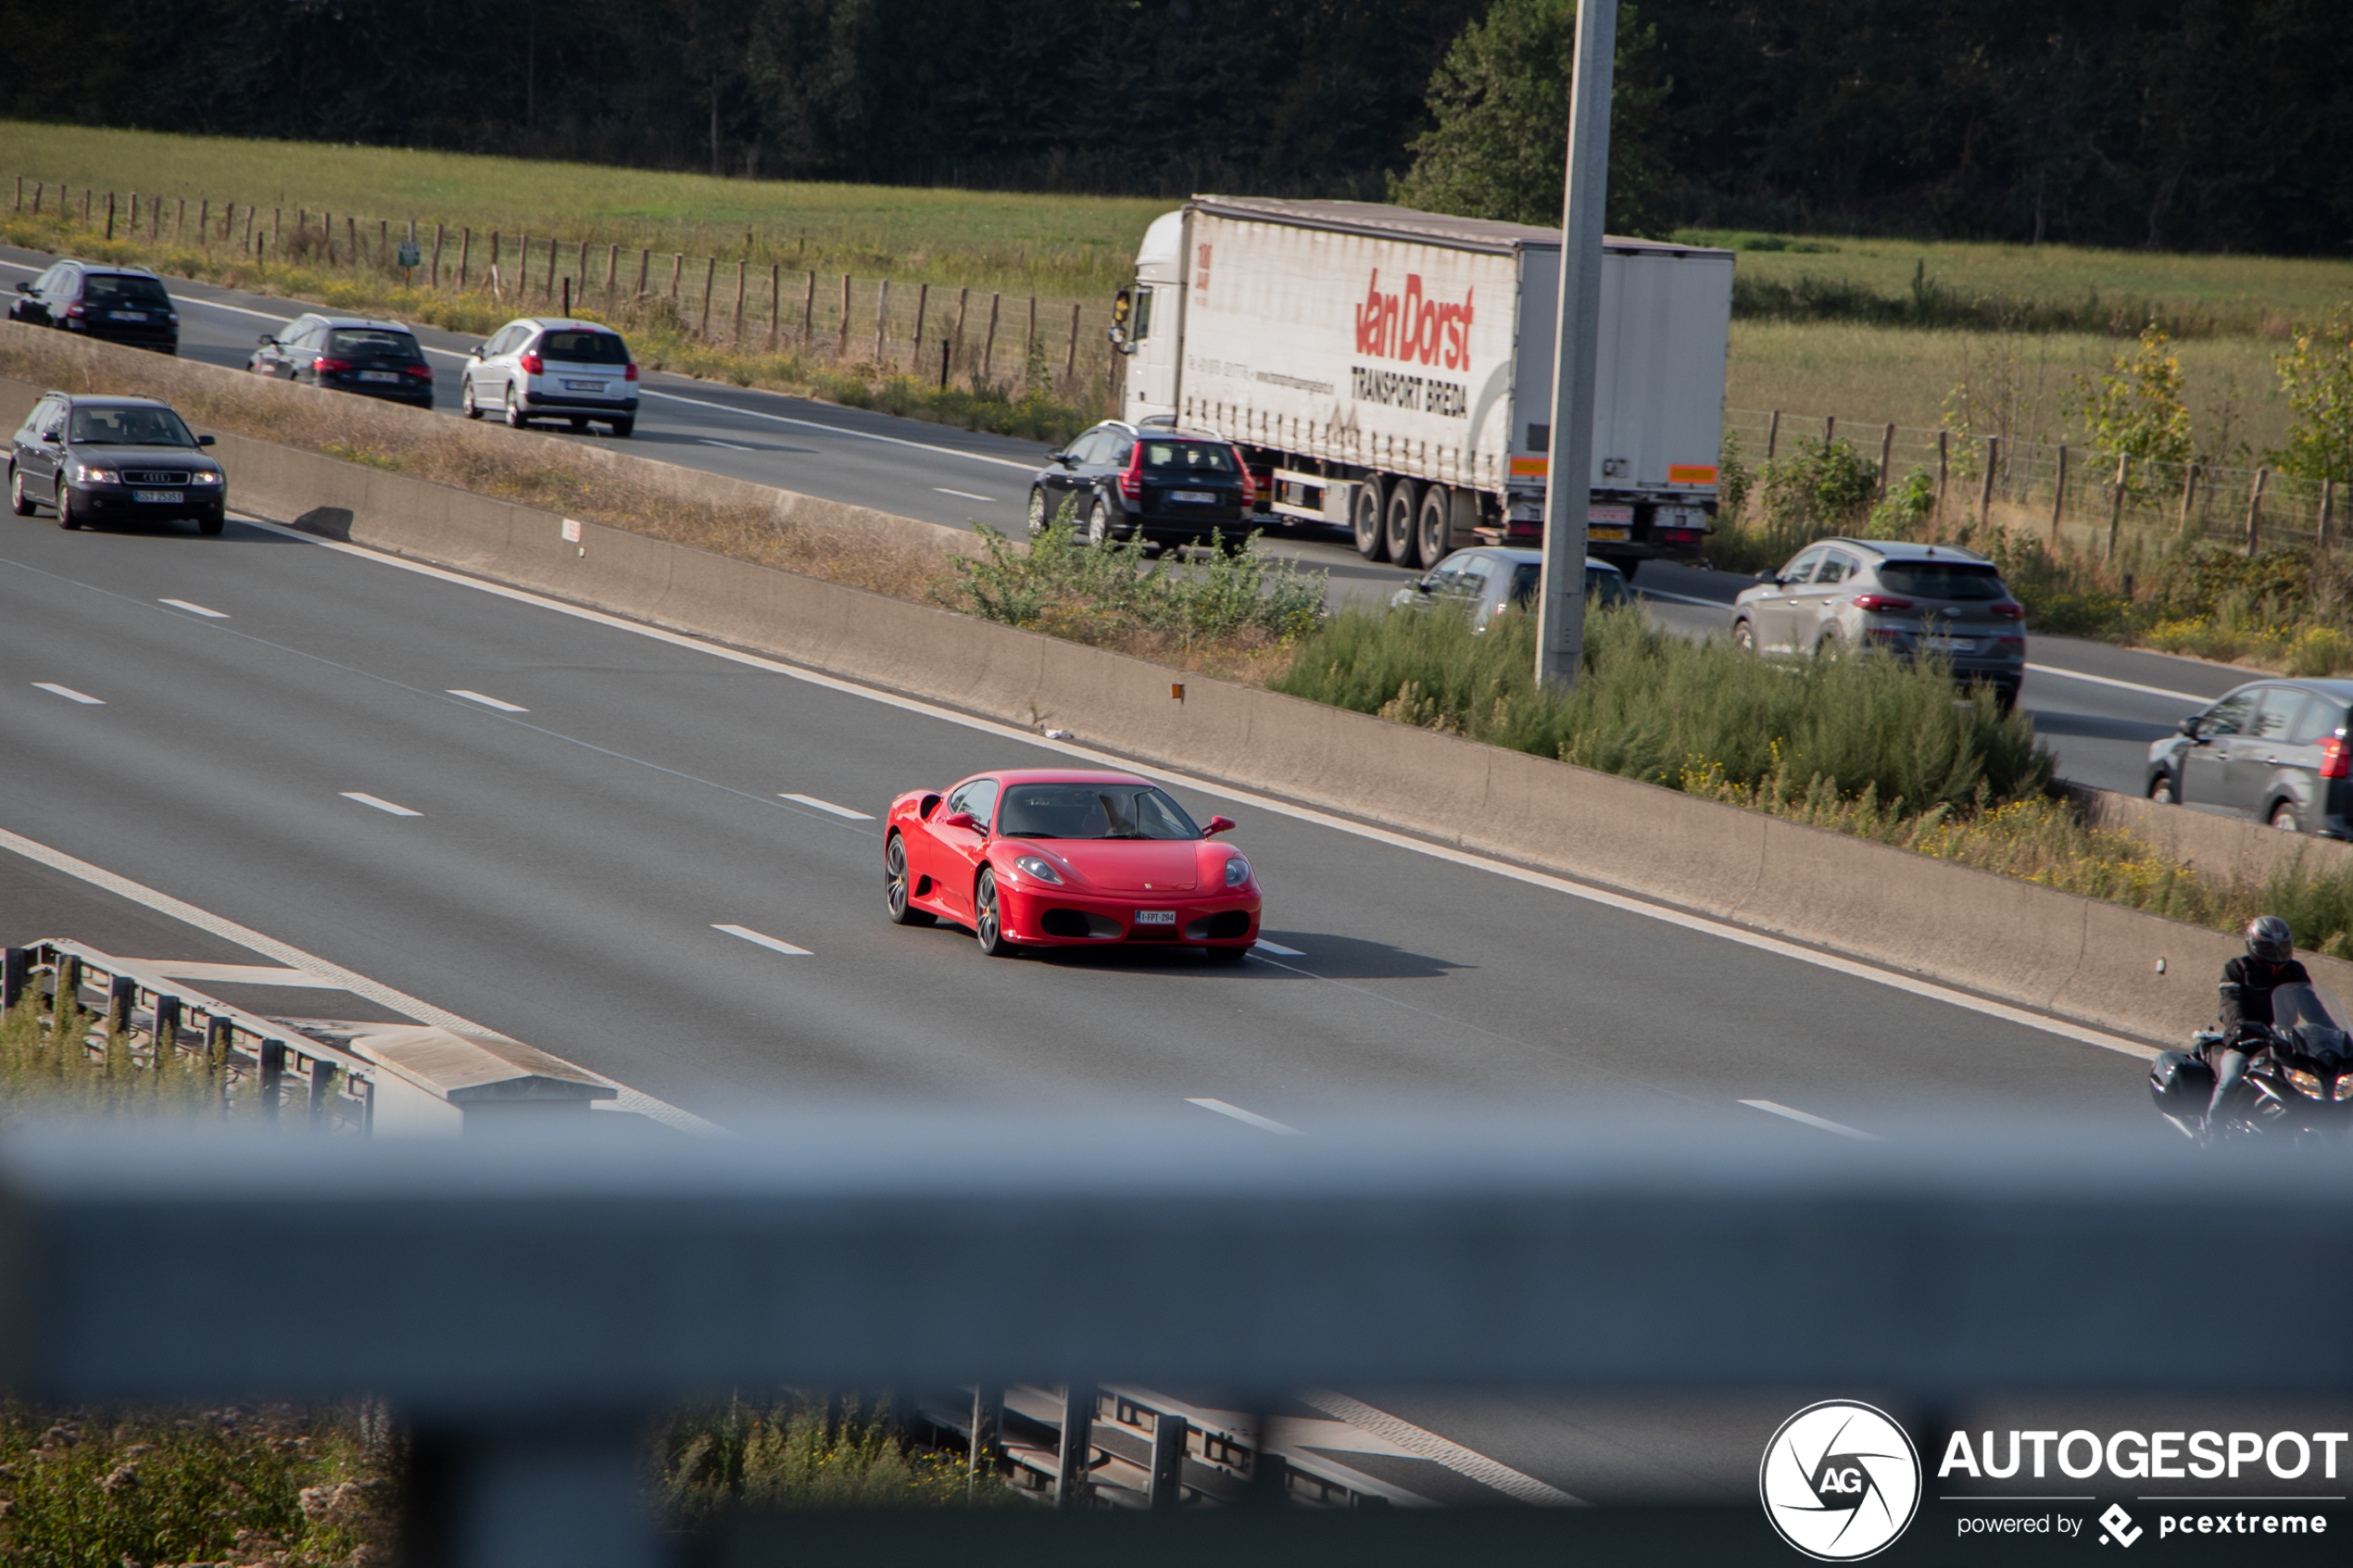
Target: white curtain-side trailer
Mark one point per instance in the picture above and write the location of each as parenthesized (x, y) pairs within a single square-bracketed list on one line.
[(1390, 372)]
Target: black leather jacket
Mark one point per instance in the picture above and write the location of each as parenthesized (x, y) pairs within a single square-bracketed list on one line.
[(2247, 984)]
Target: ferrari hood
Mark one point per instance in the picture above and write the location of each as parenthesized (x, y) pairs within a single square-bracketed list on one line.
[(1133, 865)]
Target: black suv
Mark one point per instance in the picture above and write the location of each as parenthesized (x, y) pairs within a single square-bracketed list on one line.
[(119, 304), (347, 354), (1158, 485), (114, 458)]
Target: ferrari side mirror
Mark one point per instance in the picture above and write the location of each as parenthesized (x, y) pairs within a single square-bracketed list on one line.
[(1218, 825), (957, 820)]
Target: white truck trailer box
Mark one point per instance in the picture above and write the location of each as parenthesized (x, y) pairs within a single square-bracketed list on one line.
[(1390, 372)]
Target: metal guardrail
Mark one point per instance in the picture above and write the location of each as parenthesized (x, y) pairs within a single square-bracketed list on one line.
[(272, 1061), (528, 1301)]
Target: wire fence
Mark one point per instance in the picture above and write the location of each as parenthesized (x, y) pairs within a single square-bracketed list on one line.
[(919, 329), (2107, 505)]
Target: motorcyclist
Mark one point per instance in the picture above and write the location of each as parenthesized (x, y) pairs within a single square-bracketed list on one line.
[(2248, 982)]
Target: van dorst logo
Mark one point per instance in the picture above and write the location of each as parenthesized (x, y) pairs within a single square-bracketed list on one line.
[(1840, 1481), (1414, 326)]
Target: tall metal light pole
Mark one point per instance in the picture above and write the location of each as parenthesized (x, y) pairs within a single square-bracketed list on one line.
[(1560, 614)]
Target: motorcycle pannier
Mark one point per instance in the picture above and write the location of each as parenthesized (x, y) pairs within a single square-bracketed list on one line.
[(2179, 1083)]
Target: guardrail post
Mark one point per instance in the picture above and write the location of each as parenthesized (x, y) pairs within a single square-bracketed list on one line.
[(16, 967), (322, 1083), (272, 1055), (1168, 1460), (1078, 1445), (560, 1495), (167, 1029), (122, 994)]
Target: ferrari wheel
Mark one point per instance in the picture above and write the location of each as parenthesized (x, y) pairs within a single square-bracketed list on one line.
[(988, 922), (895, 888)]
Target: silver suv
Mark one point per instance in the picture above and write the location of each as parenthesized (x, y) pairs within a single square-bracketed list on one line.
[(1846, 595), (544, 369)]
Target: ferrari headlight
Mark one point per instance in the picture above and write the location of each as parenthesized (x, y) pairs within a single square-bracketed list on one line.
[(1038, 867), (2306, 1081), (84, 475), (1237, 871)]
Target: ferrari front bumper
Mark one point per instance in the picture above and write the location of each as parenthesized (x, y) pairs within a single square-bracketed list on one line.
[(1040, 915)]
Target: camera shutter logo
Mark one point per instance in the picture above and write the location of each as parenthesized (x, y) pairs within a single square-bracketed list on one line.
[(1840, 1480)]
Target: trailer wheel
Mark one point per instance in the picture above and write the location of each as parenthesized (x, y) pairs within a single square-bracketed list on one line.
[(1435, 527), (1372, 541), (1404, 548)]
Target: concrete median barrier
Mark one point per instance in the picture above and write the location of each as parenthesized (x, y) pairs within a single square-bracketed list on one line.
[(2076, 957)]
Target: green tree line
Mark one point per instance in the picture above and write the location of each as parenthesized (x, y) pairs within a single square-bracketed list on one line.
[(2180, 124)]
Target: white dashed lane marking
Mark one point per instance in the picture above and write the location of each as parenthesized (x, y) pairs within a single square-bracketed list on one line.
[(816, 804), (195, 610), (1264, 1124), (488, 701), (756, 940), (961, 495), (1278, 949), (729, 444), (380, 804), (70, 694), (1826, 1125)]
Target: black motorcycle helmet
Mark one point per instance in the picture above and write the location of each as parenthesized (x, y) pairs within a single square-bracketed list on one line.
[(2268, 938)]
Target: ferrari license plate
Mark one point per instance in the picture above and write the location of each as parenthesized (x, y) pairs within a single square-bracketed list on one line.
[(168, 497), (380, 375), (1196, 498), (1595, 532), (1155, 917), (1949, 644), (584, 386)]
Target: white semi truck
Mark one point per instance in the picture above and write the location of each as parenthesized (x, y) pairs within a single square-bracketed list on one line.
[(1390, 372)]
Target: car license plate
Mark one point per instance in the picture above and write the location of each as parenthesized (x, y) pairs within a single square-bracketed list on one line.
[(1612, 534), (170, 497), (380, 375), (1200, 497), (1155, 917), (1949, 644), (127, 315), (584, 386)]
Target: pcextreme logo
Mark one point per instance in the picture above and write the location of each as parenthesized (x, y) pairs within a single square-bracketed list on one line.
[(1840, 1481)]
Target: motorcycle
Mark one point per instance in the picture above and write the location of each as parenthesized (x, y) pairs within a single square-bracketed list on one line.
[(2298, 1079)]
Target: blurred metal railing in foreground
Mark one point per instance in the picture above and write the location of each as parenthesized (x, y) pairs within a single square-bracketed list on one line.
[(527, 1302)]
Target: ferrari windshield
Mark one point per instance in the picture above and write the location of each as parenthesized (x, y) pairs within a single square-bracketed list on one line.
[(1092, 811)]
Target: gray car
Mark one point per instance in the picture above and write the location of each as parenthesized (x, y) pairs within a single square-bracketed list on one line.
[(1846, 595), (2272, 751), (1493, 581)]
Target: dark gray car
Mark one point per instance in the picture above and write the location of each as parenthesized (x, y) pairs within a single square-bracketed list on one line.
[(2271, 750)]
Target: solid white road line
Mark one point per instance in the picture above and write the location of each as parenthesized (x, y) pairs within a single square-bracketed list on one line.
[(380, 804), (768, 942), (1841, 1128), (487, 701), (1262, 945), (1423, 1444), (814, 804), (963, 494), (349, 979), (729, 444), (1683, 599), (1626, 903), (239, 973), (195, 610), (837, 430), (1264, 1124), (2119, 685), (70, 694)]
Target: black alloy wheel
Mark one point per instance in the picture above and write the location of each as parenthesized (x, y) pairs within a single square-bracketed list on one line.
[(988, 922), (66, 519), (895, 888), (1436, 524), (1397, 526), (1363, 520)]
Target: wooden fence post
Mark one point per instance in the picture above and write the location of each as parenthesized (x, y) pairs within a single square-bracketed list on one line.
[(2189, 498), (20, 193), (1943, 468), (250, 212), (775, 303), (645, 264), (678, 265), (1029, 343), (882, 307), (582, 291), (1070, 365), (490, 274), (956, 354), (1985, 484), (1772, 434), (2255, 511), (549, 292), (809, 316), (709, 279), (2116, 504), (522, 267), (988, 346), (111, 212), (613, 275), (2059, 495), (1886, 455), (204, 222), (915, 345), (743, 270), (841, 336), (326, 235), (440, 236)]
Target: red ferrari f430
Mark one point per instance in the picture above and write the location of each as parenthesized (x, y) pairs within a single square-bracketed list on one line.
[(1032, 859)]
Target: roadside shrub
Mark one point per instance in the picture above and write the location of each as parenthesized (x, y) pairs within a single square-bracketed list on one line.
[(1099, 594), (804, 1451)]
